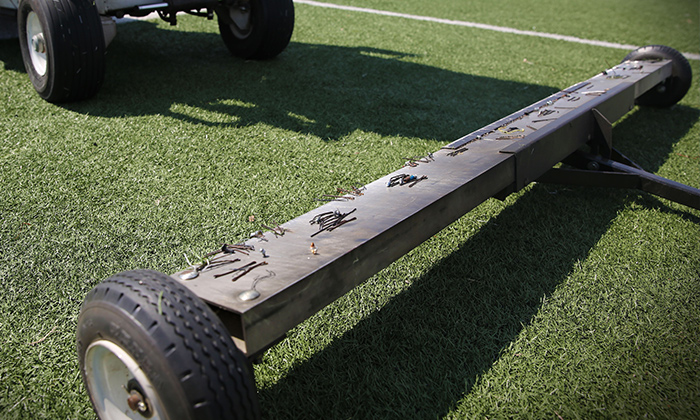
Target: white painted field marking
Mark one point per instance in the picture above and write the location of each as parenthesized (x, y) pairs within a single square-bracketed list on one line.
[(504, 29)]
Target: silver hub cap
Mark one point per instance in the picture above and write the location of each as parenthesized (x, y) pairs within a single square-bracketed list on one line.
[(36, 43), (118, 386), (240, 21)]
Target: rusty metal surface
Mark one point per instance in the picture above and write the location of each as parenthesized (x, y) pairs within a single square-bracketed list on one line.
[(390, 221)]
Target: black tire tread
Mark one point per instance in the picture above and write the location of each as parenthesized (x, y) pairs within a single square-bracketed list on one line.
[(273, 24), (211, 359), (676, 86), (77, 58)]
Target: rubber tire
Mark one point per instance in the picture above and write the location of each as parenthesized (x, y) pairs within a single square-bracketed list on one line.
[(181, 345), (75, 48), (672, 89), (272, 24)]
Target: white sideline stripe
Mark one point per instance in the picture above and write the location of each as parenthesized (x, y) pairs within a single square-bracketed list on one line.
[(484, 26)]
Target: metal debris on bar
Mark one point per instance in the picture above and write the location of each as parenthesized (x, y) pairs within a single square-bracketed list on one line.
[(330, 220), (277, 230), (403, 179), (414, 161), (206, 265), (345, 194), (242, 269), (240, 247)]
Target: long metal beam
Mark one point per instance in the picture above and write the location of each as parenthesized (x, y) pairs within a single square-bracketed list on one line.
[(298, 279)]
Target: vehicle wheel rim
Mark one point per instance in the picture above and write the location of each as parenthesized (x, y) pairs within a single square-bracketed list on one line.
[(117, 385), (36, 42), (240, 21)]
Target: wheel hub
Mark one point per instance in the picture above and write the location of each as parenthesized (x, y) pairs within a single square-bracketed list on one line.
[(240, 20), (38, 43), (136, 402), (111, 375)]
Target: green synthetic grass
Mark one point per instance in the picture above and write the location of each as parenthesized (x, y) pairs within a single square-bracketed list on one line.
[(638, 22), (560, 302)]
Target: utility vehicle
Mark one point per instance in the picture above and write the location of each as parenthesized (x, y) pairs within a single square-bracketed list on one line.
[(63, 42)]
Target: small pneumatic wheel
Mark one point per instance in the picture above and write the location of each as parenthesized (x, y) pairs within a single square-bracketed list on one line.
[(674, 88), (63, 47), (150, 349), (256, 29)]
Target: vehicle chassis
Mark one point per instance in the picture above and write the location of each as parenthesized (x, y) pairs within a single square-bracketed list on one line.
[(309, 266)]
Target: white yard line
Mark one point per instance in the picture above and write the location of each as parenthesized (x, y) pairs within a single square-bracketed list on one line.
[(690, 56)]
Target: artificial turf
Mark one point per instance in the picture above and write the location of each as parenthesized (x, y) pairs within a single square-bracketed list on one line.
[(559, 302)]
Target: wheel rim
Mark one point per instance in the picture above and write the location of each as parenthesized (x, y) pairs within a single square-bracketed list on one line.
[(36, 43), (240, 25), (117, 385)]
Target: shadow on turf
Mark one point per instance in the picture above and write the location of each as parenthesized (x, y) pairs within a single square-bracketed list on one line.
[(425, 349), (324, 90)]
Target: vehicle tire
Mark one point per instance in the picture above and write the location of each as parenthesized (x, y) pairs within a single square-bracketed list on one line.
[(149, 348), (63, 48), (672, 89), (256, 29)]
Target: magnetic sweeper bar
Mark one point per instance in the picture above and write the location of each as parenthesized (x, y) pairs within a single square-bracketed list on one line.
[(498, 159)]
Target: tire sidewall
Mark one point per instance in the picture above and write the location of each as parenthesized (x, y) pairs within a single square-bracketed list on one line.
[(100, 320), (245, 47), (181, 346), (675, 86)]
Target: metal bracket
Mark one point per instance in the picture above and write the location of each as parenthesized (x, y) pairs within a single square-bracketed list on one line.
[(606, 172), (603, 132)]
